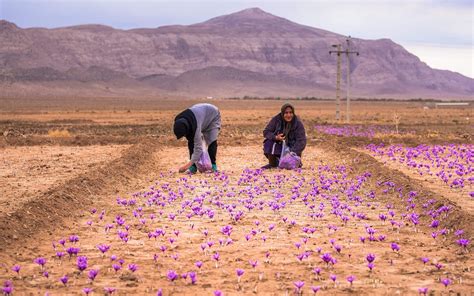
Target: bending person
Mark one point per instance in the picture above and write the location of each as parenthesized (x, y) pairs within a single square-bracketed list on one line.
[(193, 123), (287, 127)]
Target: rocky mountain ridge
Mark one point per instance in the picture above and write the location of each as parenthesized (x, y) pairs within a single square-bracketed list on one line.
[(250, 52)]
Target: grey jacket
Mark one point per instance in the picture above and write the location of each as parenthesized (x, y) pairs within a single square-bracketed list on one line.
[(208, 124)]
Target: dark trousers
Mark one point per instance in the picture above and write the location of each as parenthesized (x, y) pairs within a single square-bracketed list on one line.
[(273, 160), (211, 149)]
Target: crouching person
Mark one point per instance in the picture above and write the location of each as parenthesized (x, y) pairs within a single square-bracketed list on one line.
[(287, 127), (200, 120)]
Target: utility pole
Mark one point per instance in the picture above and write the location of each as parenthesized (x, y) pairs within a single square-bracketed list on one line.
[(338, 80), (348, 52), (339, 51)]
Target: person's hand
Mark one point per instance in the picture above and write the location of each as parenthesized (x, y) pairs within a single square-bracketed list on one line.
[(280, 137), (185, 167)]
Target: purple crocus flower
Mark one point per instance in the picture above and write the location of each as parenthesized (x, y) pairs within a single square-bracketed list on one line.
[(298, 285), (315, 289), (132, 267), (370, 258), (40, 261), (109, 290), (16, 268), (326, 258), (371, 265), (81, 263), (192, 276), (425, 260), (226, 230), (92, 274), (423, 290), (463, 242), (72, 251), (198, 264), (7, 290), (116, 267), (172, 275), (87, 291), (446, 282), (239, 272), (103, 248), (216, 257), (217, 293), (395, 247), (350, 279), (253, 263), (64, 280)]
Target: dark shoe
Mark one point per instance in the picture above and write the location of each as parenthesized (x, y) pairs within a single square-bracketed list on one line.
[(267, 167), (214, 167)]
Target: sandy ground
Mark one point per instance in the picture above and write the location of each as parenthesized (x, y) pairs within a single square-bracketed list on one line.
[(399, 272), (26, 172)]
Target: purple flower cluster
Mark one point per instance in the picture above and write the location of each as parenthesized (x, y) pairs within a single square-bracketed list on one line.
[(366, 131), (452, 164), (207, 218)]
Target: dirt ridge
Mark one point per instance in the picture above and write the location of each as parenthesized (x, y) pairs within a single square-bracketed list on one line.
[(458, 217), (51, 208)]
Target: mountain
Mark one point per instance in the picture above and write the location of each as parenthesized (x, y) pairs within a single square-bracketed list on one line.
[(250, 52)]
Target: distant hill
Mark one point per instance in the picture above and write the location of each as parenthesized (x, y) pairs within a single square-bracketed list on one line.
[(250, 52)]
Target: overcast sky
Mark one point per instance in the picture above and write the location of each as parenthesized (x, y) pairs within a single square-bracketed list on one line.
[(439, 32)]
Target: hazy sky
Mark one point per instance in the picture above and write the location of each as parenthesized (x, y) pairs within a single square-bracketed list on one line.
[(439, 32)]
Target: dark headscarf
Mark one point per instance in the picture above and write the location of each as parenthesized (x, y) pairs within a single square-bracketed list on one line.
[(181, 128), (185, 124), (287, 125)]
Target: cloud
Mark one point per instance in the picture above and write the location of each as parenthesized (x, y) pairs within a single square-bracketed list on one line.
[(455, 58)]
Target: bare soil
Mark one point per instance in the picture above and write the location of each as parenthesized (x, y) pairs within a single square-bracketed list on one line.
[(26, 172), (61, 203)]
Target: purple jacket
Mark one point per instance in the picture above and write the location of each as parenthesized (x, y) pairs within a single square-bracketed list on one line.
[(296, 137)]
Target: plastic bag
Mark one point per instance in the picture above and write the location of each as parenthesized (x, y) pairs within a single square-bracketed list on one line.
[(288, 160), (204, 163)]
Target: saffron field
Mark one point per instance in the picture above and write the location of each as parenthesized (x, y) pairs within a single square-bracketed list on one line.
[(369, 213)]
